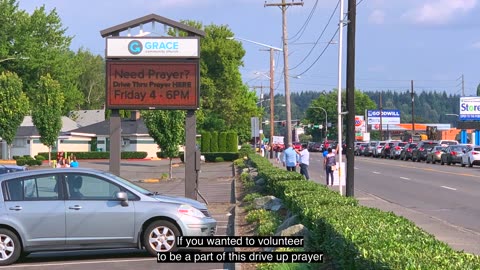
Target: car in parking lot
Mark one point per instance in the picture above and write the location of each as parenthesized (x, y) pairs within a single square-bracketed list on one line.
[(472, 156), (377, 150), (78, 208), (434, 155), (11, 168)]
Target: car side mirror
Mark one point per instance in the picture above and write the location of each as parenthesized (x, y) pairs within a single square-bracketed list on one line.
[(122, 197)]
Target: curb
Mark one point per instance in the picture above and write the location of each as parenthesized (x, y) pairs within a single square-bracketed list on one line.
[(8, 162), (238, 266), (150, 180)]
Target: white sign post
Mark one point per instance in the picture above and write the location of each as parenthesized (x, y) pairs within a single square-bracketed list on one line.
[(336, 173)]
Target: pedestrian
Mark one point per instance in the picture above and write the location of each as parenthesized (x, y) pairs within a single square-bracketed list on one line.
[(304, 161), (329, 163), (74, 163), (279, 152), (290, 158)]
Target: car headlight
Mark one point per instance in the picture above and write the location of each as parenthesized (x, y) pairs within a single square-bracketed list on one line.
[(189, 210)]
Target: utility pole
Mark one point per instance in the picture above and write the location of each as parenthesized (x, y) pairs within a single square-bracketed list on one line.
[(352, 14), (413, 112), (339, 98), (272, 97), (381, 122), (284, 7), (261, 105)]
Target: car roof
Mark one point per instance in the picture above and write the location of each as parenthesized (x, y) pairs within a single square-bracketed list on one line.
[(18, 174)]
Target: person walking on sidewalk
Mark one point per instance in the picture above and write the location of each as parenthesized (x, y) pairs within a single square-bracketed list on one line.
[(304, 160), (290, 158), (329, 164)]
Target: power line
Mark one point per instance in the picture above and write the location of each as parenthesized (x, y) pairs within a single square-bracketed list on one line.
[(318, 39), (321, 54), (305, 24)]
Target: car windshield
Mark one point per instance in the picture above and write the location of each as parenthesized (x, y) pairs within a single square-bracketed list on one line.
[(129, 184)]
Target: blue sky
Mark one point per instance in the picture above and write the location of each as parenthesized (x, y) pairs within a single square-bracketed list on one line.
[(432, 42)]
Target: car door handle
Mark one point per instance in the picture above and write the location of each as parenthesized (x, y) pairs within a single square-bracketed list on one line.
[(75, 207), (16, 208)]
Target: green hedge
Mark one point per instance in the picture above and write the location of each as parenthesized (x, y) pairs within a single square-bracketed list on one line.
[(99, 155), (222, 142), (232, 142), (358, 237), (160, 154), (211, 157), (205, 146), (214, 142)]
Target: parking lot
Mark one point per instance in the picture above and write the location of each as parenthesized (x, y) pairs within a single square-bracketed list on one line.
[(215, 184)]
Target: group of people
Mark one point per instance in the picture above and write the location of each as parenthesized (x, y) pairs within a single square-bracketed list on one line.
[(293, 158), (68, 162)]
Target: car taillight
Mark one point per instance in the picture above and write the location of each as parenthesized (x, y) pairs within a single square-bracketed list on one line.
[(454, 153), (387, 147), (475, 153), (397, 148), (437, 153), (409, 150), (421, 149)]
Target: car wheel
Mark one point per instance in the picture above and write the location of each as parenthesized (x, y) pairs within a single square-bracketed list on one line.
[(160, 236), (434, 161), (427, 160), (442, 162), (470, 163), (463, 164), (10, 247)]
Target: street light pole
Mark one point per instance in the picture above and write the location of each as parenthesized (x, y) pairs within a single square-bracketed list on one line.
[(326, 121), (271, 77)]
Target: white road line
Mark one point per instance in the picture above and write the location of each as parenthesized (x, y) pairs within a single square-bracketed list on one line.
[(153, 259), (451, 188), (404, 178), (376, 172), (356, 168)]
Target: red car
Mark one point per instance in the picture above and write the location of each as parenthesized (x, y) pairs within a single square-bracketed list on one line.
[(297, 145)]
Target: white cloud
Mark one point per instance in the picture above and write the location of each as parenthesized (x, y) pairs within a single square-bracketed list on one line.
[(377, 17), (438, 12), (476, 45)]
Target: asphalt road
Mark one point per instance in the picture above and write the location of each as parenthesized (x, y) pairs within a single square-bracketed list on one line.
[(443, 200)]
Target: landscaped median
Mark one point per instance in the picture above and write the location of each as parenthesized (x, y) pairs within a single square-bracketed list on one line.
[(354, 236)]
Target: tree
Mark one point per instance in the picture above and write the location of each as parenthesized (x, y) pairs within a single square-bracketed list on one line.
[(167, 128), (13, 106), (42, 39), (226, 102), (47, 112), (91, 80)]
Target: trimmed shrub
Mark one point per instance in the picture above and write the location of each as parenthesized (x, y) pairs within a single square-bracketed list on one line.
[(214, 142), (205, 146), (211, 157), (21, 161), (99, 155), (232, 142), (219, 159), (222, 142), (40, 157)]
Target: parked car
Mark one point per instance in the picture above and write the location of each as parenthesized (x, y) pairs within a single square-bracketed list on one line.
[(419, 153), (377, 150), (472, 156), (406, 153), (11, 168), (435, 154), (396, 150), (297, 145), (73, 208), (385, 153), (360, 150), (447, 142), (453, 154)]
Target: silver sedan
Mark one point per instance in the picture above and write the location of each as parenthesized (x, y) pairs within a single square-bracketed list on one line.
[(75, 208)]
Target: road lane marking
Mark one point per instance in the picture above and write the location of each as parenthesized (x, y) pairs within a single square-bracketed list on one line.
[(451, 188), (435, 170), (153, 259), (404, 178), (376, 172)]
